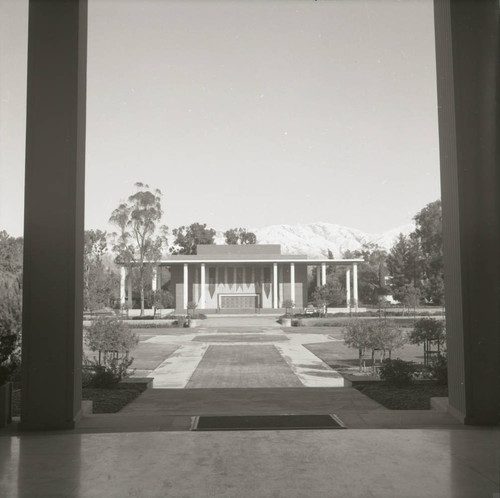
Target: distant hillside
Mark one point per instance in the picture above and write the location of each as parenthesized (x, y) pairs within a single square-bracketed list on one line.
[(316, 238)]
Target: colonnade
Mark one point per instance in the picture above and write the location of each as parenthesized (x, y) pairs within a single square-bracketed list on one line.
[(351, 302)]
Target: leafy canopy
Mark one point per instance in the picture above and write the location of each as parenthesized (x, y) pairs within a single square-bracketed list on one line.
[(241, 236), (188, 238)]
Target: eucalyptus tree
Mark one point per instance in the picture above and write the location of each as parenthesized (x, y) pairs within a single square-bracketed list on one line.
[(141, 237)]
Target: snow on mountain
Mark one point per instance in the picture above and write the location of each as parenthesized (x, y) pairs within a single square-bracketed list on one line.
[(315, 239)]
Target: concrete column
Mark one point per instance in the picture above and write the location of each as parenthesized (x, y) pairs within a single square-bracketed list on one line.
[(323, 273), (292, 282), (154, 279), (54, 215), (275, 285), (318, 276), (355, 286), (225, 275), (129, 287), (281, 281), (243, 277), (202, 287), (348, 288), (186, 286), (123, 276), (467, 58)]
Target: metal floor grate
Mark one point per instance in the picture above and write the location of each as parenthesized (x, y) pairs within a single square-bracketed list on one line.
[(265, 422)]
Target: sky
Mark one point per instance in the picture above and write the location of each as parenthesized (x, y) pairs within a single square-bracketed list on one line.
[(245, 113)]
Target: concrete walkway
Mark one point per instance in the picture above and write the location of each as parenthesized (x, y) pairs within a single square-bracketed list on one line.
[(247, 370), (239, 356)]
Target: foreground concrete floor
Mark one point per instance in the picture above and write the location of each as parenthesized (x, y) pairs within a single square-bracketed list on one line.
[(173, 409), (322, 463)]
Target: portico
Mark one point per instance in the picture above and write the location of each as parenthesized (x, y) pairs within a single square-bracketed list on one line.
[(221, 277)]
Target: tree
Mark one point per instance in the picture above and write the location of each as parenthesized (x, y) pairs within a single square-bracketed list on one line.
[(429, 332), (10, 327), (188, 238), (385, 336), (375, 335), (398, 262), (11, 264), (371, 273), (99, 282), (330, 293), (357, 335), (141, 236), (428, 233), (11, 255), (241, 236)]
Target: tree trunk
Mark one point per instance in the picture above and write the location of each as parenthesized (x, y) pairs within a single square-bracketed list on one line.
[(360, 352)]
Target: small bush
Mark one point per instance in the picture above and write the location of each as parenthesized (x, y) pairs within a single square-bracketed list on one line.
[(438, 369), (397, 372), (112, 340), (107, 375)]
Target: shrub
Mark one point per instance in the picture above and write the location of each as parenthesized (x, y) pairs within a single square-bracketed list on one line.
[(106, 375), (112, 340), (397, 372), (288, 304), (438, 369)]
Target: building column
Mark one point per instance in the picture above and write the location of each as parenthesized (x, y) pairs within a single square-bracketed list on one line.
[(275, 285), (129, 288), (467, 59), (318, 276), (154, 278), (323, 273), (348, 288), (225, 275), (202, 286), (123, 276), (281, 290), (292, 282), (54, 190), (186, 286), (355, 286)]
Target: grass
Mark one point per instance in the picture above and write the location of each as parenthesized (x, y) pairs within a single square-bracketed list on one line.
[(105, 400), (416, 396), (342, 322)]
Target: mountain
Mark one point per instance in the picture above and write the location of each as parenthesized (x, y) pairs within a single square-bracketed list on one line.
[(315, 239)]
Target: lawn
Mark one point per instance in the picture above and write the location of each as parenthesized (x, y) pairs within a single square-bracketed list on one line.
[(415, 396), (109, 400)]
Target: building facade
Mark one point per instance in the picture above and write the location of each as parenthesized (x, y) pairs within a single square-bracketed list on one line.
[(234, 277)]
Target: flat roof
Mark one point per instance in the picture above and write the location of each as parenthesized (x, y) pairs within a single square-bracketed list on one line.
[(280, 259)]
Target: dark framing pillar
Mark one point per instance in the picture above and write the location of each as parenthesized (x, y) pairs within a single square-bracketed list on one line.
[(467, 57), (54, 212)]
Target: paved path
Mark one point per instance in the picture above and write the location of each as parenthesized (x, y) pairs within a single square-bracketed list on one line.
[(243, 366), (250, 352)]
